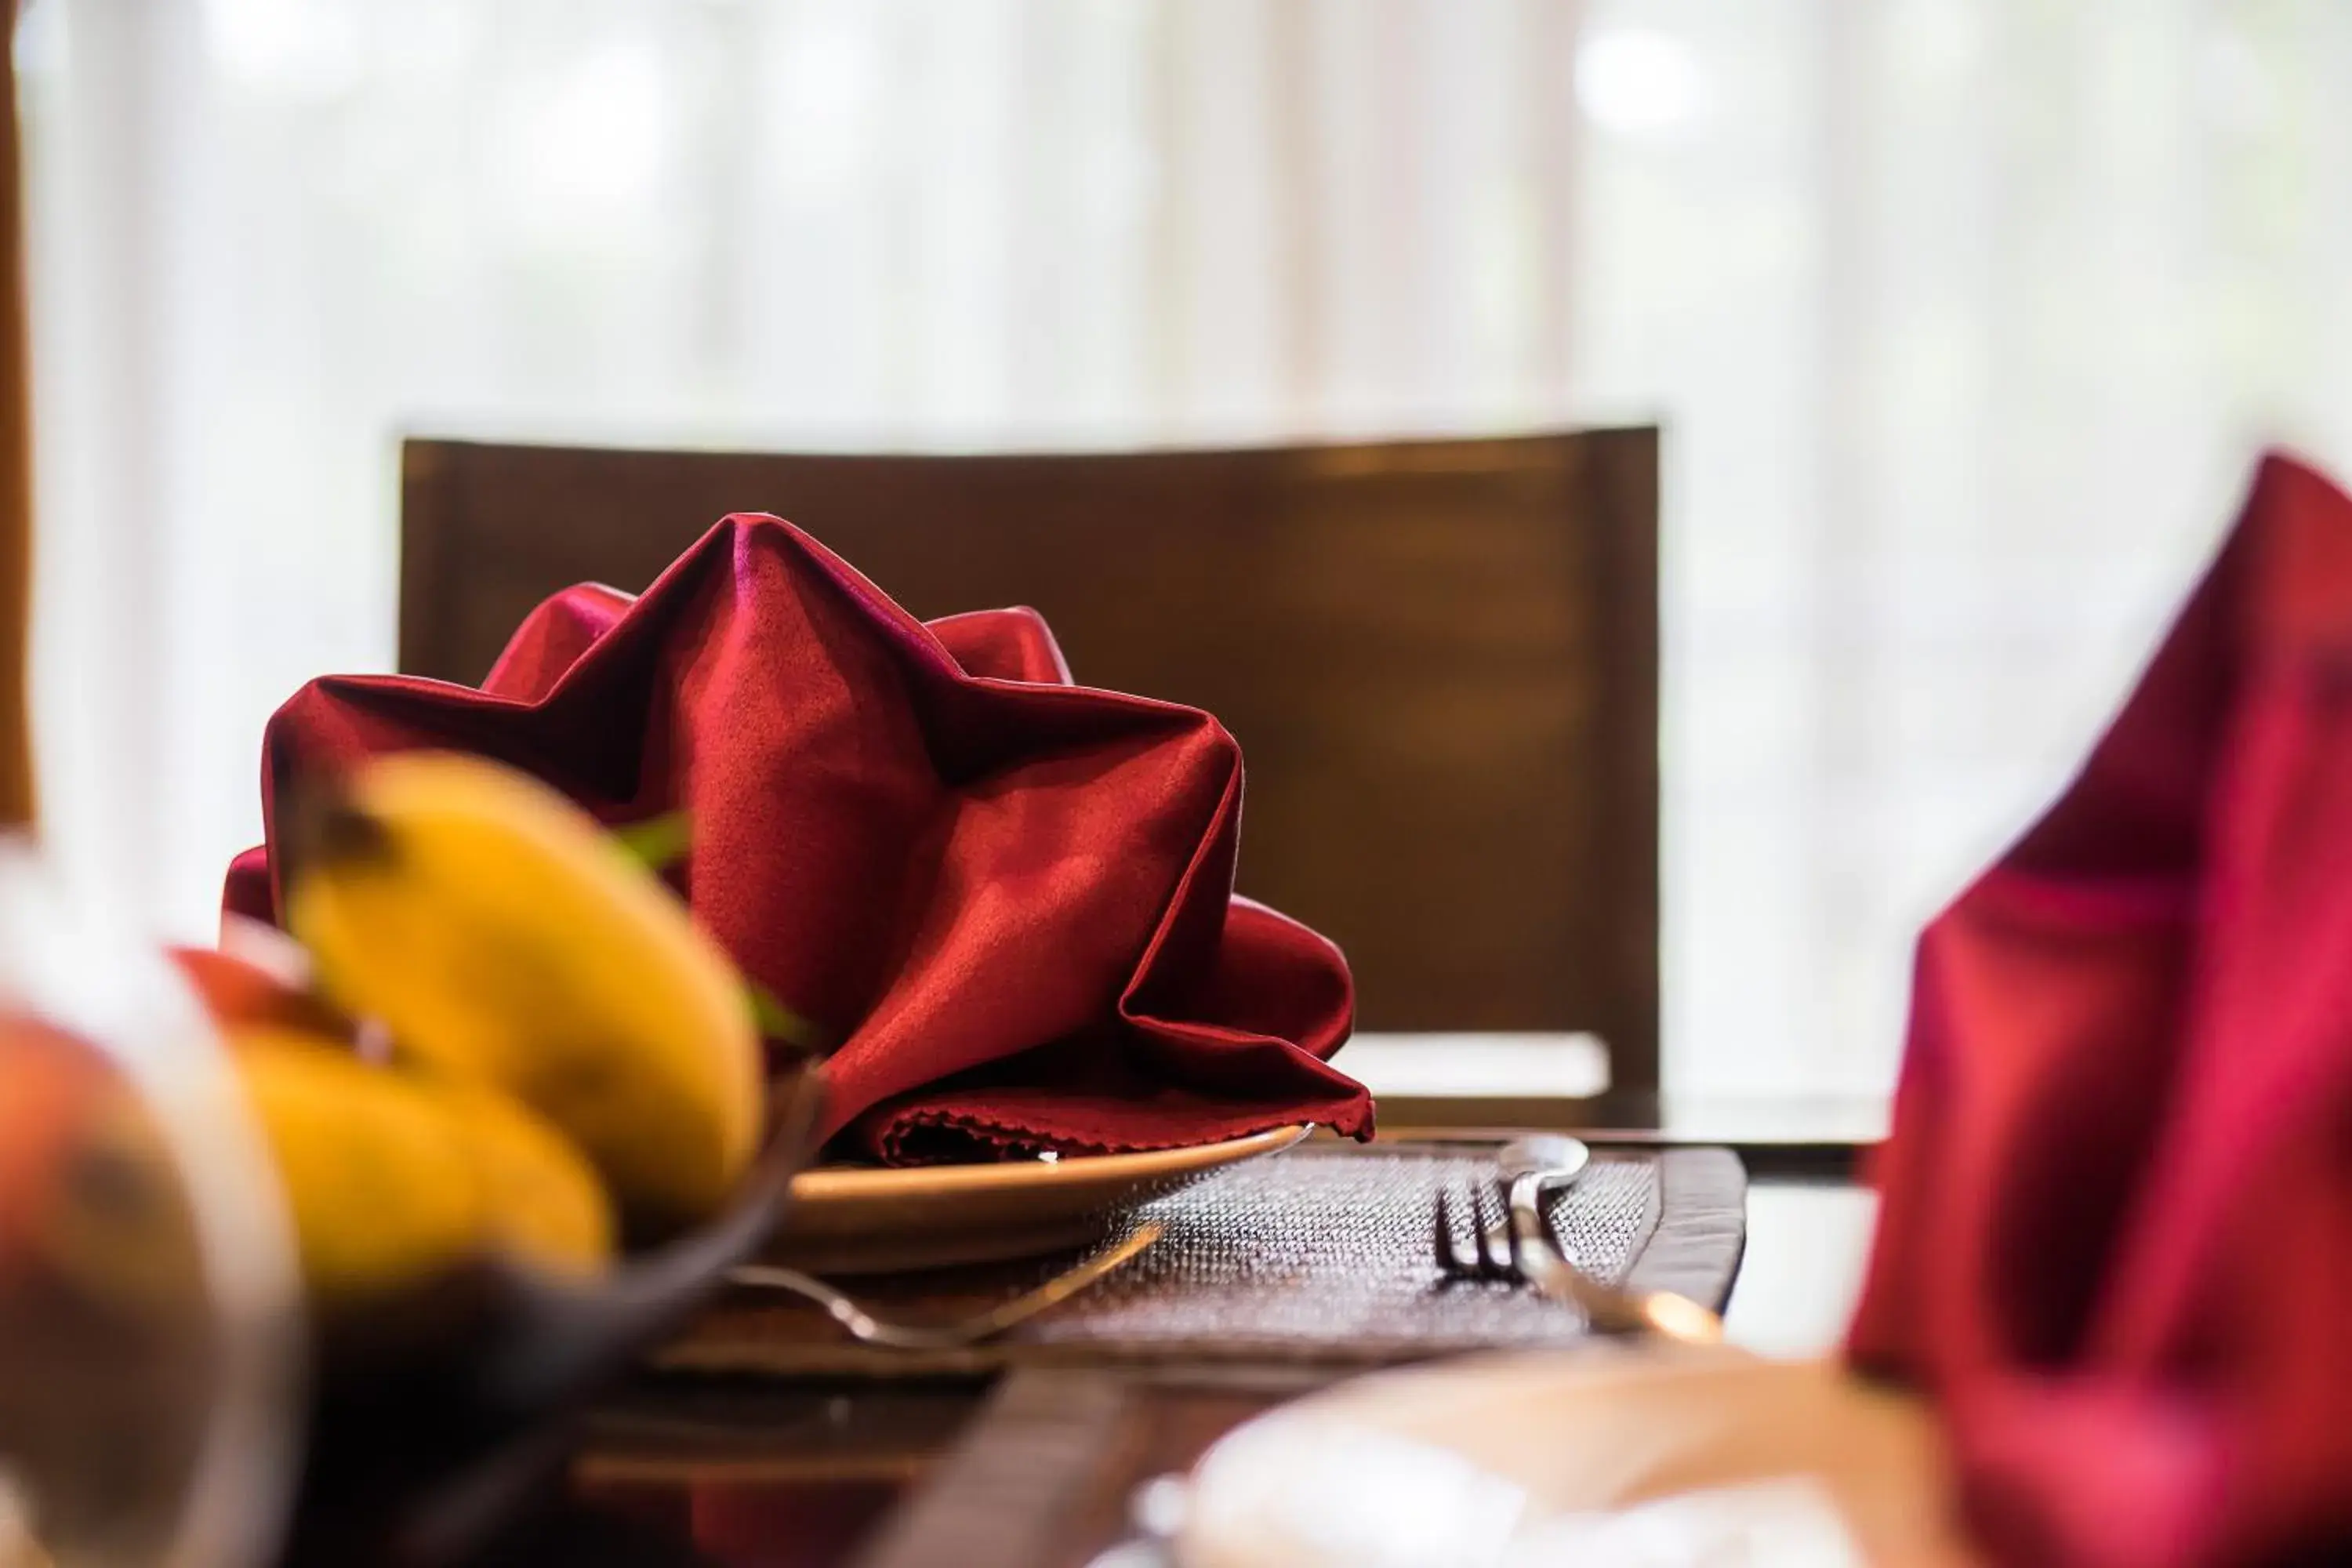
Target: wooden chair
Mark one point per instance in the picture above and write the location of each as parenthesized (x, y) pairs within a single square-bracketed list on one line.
[(1440, 658)]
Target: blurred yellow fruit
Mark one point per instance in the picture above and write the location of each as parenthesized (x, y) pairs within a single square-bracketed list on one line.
[(547, 1208), (393, 1178), (377, 1173), (263, 1039), (502, 936)]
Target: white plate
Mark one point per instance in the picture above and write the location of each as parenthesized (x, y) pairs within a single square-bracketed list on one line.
[(1632, 1457), (856, 1219)]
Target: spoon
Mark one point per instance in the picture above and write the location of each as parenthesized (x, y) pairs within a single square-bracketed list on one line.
[(1542, 1162)]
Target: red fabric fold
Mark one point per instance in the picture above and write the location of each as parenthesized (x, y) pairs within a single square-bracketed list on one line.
[(2116, 1239), (1011, 898)]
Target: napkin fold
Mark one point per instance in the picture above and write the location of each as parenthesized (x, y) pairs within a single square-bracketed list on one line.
[(2115, 1244), (1009, 898)]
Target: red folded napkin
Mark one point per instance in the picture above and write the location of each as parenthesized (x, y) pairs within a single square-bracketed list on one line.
[(2117, 1239), (1009, 896)]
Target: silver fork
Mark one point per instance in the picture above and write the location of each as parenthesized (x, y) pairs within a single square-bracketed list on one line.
[(958, 1334), (1495, 1251), (1488, 1254)]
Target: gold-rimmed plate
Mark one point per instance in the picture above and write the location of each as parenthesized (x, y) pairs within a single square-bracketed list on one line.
[(856, 1219)]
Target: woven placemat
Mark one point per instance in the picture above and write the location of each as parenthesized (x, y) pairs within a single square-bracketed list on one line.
[(1324, 1254)]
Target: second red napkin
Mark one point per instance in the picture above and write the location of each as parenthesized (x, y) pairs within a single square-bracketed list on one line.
[(2117, 1239), (1009, 896)]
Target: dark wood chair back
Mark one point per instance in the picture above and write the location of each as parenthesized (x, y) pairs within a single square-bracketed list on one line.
[(1440, 658)]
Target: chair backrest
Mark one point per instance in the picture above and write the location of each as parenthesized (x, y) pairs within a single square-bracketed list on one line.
[(1440, 658)]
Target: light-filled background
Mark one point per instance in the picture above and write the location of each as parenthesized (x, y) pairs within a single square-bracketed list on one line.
[(1965, 321)]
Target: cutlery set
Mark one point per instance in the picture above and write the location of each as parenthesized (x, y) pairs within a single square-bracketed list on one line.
[(1511, 1239)]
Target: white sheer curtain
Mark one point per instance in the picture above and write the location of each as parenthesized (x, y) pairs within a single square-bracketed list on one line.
[(1963, 319)]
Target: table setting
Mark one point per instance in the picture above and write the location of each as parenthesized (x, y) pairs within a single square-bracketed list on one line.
[(885, 825), (2102, 1323), (751, 998), (1323, 1256)]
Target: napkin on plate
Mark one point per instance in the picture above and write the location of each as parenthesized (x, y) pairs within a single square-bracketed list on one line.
[(2117, 1239), (1009, 898)]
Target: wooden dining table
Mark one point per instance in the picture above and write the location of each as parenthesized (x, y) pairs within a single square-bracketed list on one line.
[(1038, 1466)]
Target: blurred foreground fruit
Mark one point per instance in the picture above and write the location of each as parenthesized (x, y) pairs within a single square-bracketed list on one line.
[(375, 1169), (89, 1198), (502, 937), (394, 1179), (546, 1206), (238, 992)]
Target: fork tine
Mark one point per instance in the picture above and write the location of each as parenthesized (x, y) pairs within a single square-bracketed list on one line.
[(1458, 1205), (1506, 1237), (1494, 1235)]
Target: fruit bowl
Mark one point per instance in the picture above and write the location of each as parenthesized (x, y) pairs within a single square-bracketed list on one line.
[(519, 1131), (433, 1419)]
